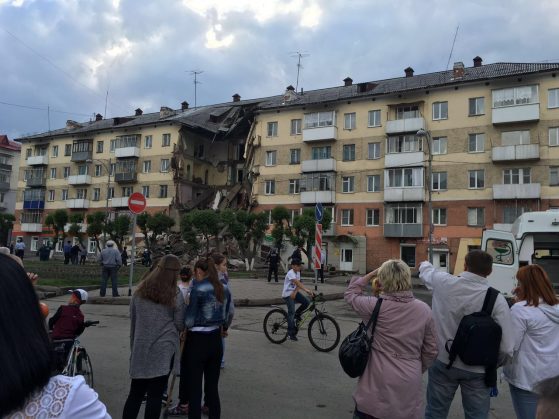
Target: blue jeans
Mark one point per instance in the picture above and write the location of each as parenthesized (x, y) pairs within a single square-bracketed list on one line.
[(525, 402), (301, 299), (107, 272), (442, 385)]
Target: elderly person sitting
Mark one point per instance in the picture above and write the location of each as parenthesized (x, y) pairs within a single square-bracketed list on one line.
[(404, 344)]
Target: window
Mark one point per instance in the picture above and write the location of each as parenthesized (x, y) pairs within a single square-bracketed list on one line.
[(349, 120), (147, 166), (66, 172), (28, 153), (293, 214), (270, 187), (517, 176), (404, 177), (145, 191), (111, 192), (34, 243), (99, 146), (295, 156), (553, 98), (476, 143), (53, 172), (347, 217), (166, 140), (54, 151), (515, 137), (164, 165), (439, 216), (514, 96), (477, 178), (318, 182), (51, 195), (296, 126), (349, 152), (127, 191), (476, 217), (83, 169), (554, 136), (81, 193), (199, 151), (98, 170), (405, 144), (408, 255), (112, 145), (439, 181), (68, 149), (407, 112), (373, 183), (96, 194), (440, 111), (476, 106), (319, 119), (374, 118), (148, 139), (554, 176), (294, 186), (439, 145), (112, 169), (403, 214), (373, 151), (272, 129), (91, 245), (319, 153), (348, 184), (64, 194), (271, 158), (163, 191), (373, 217), (510, 214)]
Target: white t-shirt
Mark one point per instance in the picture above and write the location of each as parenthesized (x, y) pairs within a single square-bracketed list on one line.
[(63, 398), (288, 285)]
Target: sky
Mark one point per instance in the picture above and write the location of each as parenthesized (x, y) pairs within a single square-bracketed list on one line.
[(71, 59)]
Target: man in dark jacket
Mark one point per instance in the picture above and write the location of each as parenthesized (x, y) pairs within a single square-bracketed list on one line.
[(75, 254), (273, 259), (67, 248)]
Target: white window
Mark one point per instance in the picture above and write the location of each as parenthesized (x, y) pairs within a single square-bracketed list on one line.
[(403, 214), (112, 145), (295, 156), (476, 179), (403, 177), (319, 153), (553, 98), (145, 191), (440, 110), (98, 170), (476, 217), (405, 144), (64, 194), (91, 245), (514, 96), (164, 165), (272, 129), (348, 184), (111, 192), (81, 193), (439, 181), (349, 152), (439, 216), (112, 169), (510, 214), (554, 136), (51, 195), (373, 151), (147, 166), (554, 176), (34, 243), (476, 106), (373, 217), (517, 176), (476, 143), (148, 140), (83, 169), (96, 194), (127, 191), (54, 151), (347, 217), (166, 140), (294, 186), (349, 121), (439, 145), (515, 137), (296, 125), (271, 158), (270, 187), (319, 119), (373, 183), (66, 172), (163, 191), (407, 112), (67, 150), (53, 172), (99, 147), (374, 118), (293, 214)]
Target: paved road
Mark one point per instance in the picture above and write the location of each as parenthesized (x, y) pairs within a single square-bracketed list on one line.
[(260, 380)]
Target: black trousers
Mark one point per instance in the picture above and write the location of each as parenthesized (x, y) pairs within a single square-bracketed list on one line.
[(154, 388), (273, 269), (203, 354), (321, 273)]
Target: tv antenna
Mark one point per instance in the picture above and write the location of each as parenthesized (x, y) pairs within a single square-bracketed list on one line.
[(452, 48), (299, 55), (196, 83)]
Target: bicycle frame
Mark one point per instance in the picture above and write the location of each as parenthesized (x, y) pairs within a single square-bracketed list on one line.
[(71, 364)]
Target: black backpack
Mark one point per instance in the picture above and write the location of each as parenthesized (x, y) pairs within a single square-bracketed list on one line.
[(478, 338)]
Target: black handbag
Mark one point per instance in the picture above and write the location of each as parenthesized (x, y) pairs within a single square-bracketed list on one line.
[(354, 349)]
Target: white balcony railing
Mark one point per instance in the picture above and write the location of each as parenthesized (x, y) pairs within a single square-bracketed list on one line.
[(127, 152), (77, 203), (320, 134), (32, 227), (404, 194), (404, 159), (516, 113), (405, 125), (524, 191), (516, 152), (324, 197), (320, 165), (79, 180), (119, 202), (37, 160)]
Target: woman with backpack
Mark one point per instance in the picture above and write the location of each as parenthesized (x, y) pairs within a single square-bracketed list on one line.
[(535, 319)]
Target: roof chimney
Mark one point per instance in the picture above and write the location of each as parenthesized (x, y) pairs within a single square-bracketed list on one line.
[(236, 97), (409, 72), (348, 81), (72, 124), (477, 61), (458, 70), (184, 105), (138, 112), (290, 87), (98, 117), (165, 111)]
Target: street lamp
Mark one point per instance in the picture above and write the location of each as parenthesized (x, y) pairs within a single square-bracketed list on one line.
[(422, 133), (108, 169)]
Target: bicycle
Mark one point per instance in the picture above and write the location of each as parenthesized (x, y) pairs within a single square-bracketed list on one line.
[(323, 331), (78, 361)]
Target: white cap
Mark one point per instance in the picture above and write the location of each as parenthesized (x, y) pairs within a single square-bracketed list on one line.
[(110, 243), (81, 294)]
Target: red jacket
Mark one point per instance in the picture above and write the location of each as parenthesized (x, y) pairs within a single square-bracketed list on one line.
[(67, 322)]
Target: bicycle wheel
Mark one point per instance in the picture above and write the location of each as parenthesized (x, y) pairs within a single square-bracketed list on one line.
[(275, 325), (83, 367), (324, 333)]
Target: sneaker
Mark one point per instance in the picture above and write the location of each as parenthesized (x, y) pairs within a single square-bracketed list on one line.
[(164, 398), (293, 338), (178, 410), (205, 410), (222, 364)]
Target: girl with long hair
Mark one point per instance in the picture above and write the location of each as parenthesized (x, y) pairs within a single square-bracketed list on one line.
[(156, 316), (220, 261)]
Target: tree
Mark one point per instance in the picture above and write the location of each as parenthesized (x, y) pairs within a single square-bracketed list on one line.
[(95, 224), (118, 229), (75, 228), (57, 221), (6, 224), (248, 230), (281, 227), (205, 223), (304, 227)]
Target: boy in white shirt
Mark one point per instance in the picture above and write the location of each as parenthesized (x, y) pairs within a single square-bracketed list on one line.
[(291, 294)]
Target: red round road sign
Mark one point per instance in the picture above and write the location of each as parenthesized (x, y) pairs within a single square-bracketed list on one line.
[(137, 203)]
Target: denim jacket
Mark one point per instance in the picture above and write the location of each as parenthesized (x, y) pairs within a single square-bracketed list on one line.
[(203, 309)]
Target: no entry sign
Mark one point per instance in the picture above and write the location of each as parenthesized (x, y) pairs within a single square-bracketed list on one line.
[(137, 203)]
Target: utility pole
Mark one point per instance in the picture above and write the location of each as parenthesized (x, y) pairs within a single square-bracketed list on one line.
[(426, 136), (299, 55), (196, 83)]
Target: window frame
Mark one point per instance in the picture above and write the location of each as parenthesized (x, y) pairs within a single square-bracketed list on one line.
[(376, 151), (294, 187), (473, 103), (377, 183), (348, 184), (99, 147), (440, 176), (556, 130), (476, 180), (166, 140), (374, 113), (163, 191), (295, 152), (370, 215), (272, 129), (54, 151), (556, 92), (269, 187), (348, 152), (478, 211), (348, 215), (148, 141), (553, 169), (296, 127), (440, 109), (440, 141), (351, 118), (437, 218), (166, 170), (146, 164), (145, 190), (478, 136), (271, 158)]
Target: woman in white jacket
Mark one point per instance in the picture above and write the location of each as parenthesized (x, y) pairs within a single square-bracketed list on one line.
[(535, 318)]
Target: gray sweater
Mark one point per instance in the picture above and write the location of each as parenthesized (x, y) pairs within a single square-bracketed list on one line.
[(154, 336)]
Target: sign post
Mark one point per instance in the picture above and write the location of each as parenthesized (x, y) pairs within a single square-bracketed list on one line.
[(136, 205), (317, 254)]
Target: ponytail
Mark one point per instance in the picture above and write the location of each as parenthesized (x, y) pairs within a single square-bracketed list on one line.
[(208, 266)]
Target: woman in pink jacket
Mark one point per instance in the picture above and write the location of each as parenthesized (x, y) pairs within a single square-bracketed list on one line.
[(404, 345)]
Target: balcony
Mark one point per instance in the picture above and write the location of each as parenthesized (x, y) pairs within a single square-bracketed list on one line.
[(38, 160), (123, 152), (127, 177), (119, 202), (399, 126), (35, 204), (320, 165), (516, 113), (4, 186), (7, 167), (403, 230), (404, 159), (36, 181), (82, 226), (77, 203), (32, 227), (81, 156), (312, 197), (516, 152), (320, 134), (404, 194), (524, 191), (79, 180)]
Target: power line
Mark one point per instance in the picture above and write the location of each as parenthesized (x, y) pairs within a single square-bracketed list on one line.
[(42, 109)]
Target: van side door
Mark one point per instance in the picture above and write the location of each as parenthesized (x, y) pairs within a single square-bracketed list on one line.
[(501, 245)]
